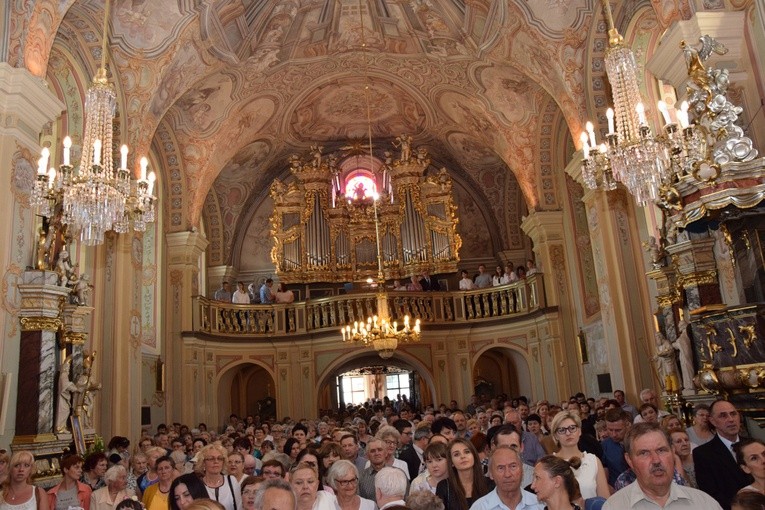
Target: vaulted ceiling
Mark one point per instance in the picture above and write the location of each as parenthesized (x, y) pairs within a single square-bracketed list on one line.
[(224, 91)]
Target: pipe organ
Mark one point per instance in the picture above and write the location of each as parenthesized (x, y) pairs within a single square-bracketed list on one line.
[(323, 225)]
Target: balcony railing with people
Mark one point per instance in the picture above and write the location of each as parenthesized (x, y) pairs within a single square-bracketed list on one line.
[(504, 302)]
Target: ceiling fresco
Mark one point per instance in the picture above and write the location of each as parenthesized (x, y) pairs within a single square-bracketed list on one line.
[(224, 91)]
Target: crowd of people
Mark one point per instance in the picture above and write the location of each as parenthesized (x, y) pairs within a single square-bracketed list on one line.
[(263, 293), (497, 454)]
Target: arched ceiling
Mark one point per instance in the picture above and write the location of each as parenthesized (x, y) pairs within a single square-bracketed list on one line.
[(225, 90)]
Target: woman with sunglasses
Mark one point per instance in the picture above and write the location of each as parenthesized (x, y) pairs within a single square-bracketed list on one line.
[(224, 489), (567, 430), (343, 477)]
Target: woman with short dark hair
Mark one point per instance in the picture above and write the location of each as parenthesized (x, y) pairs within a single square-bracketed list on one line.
[(93, 470), (71, 492)]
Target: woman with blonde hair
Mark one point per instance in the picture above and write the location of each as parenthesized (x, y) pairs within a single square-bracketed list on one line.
[(589, 472), (304, 479), (224, 489), (4, 458), (18, 491)]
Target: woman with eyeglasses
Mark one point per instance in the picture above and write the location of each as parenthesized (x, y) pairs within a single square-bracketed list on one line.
[(18, 492), (343, 477), (250, 486), (589, 472), (304, 479), (224, 489)]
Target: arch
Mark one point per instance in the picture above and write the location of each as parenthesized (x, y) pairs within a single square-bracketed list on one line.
[(224, 392), (400, 355), (515, 357)]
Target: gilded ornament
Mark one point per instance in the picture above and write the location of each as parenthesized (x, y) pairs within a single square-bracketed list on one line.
[(749, 335), (732, 340), (40, 324)]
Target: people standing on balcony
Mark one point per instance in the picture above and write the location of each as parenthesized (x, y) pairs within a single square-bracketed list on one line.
[(509, 275), (531, 267), (482, 279), (465, 282), (240, 296), (284, 296), (429, 283), (414, 284), (266, 295), (496, 279), (224, 293)]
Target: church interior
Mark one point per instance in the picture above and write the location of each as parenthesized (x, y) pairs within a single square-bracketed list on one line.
[(346, 148)]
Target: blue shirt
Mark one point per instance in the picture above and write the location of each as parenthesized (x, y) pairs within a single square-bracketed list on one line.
[(532, 449), (491, 501), (613, 459), (266, 297)]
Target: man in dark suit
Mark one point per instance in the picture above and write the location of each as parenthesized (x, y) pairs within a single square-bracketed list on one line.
[(717, 472), (429, 283), (412, 454)]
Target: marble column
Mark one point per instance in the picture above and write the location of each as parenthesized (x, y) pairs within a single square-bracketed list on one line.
[(38, 360), (26, 105), (184, 251), (623, 290)]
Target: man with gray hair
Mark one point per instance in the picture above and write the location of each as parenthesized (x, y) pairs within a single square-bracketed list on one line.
[(275, 494), (390, 488), (376, 453)]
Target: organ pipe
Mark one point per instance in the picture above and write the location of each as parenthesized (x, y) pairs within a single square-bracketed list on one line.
[(331, 240)]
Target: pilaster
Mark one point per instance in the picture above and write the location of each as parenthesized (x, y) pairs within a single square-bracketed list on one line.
[(184, 250), (26, 105), (625, 309), (545, 228)]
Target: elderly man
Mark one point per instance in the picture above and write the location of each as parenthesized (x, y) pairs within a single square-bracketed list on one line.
[(508, 436), (506, 469), (376, 452), (390, 488), (649, 454), (532, 449), (648, 396), (717, 472), (275, 494)]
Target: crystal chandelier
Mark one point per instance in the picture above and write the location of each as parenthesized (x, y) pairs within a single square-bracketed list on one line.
[(96, 197), (378, 330), (703, 137)]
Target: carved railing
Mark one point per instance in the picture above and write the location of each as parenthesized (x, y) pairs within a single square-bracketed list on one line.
[(317, 315)]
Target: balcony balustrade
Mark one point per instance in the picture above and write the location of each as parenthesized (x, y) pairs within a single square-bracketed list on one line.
[(315, 316)]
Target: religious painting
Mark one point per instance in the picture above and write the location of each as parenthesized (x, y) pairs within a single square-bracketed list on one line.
[(77, 437)]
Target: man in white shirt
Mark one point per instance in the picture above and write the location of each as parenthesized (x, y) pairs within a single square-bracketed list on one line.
[(390, 487), (240, 297), (465, 282), (506, 469)]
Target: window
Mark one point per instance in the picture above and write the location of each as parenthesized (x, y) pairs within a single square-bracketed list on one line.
[(360, 186), (353, 390), (397, 384)]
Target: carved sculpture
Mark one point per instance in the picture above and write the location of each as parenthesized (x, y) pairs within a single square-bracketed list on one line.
[(683, 345), (66, 271), (65, 390), (666, 364), (84, 392), (81, 289)]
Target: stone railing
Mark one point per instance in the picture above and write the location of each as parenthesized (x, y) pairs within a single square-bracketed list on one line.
[(317, 315)]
